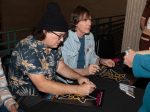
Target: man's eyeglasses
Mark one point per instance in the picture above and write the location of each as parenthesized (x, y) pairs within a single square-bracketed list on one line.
[(64, 36)]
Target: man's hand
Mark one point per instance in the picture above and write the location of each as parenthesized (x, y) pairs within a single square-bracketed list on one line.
[(85, 89), (107, 62), (86, 86), (128, 59), (83, 80), (13, 108), (92, 69)]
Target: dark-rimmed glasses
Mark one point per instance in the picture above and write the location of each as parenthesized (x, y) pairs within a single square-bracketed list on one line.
[(61, 36)]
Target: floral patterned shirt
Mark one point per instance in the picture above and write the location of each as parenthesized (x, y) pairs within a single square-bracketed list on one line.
[(31, 57)]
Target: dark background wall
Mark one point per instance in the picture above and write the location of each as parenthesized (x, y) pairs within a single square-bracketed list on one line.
[(26, 13)]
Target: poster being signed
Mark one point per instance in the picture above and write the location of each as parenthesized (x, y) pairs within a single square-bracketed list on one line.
[(94, 99)]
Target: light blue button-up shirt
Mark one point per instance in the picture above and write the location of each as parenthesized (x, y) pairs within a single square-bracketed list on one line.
[(70, 49)]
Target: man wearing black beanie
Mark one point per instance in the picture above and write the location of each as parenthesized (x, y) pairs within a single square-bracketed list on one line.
[(36, 59)]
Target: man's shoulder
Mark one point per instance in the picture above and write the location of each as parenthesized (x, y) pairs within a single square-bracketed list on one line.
[(25, 47), (28, 39), (29, 42), (90, 36), (71, 34)]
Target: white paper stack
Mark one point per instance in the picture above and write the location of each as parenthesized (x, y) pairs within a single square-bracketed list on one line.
[(129, 90)]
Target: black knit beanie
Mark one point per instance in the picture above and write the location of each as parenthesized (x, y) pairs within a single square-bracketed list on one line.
[(53, 19)]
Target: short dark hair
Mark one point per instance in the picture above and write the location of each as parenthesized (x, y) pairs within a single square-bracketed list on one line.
[(38, 33), (78, 12)]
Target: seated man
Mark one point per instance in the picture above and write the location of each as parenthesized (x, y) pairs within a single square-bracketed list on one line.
[(6, 99), (79, 48), (36, 59)]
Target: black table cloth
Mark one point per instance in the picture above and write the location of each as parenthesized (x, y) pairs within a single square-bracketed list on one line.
[(114, 100)]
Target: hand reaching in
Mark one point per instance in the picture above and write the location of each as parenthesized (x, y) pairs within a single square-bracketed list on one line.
[(107, 62), (13, 108)]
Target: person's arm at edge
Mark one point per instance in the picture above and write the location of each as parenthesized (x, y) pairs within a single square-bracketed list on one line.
[(11, 104), (141, 66), (142, 23), (6, 97)]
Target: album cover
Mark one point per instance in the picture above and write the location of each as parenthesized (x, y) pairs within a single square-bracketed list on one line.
[(94, 99)]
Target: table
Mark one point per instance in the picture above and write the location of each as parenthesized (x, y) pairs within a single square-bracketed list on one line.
[(114, 100)]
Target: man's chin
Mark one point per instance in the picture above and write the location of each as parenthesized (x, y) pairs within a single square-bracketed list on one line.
[(56, 46), (53, 47)]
